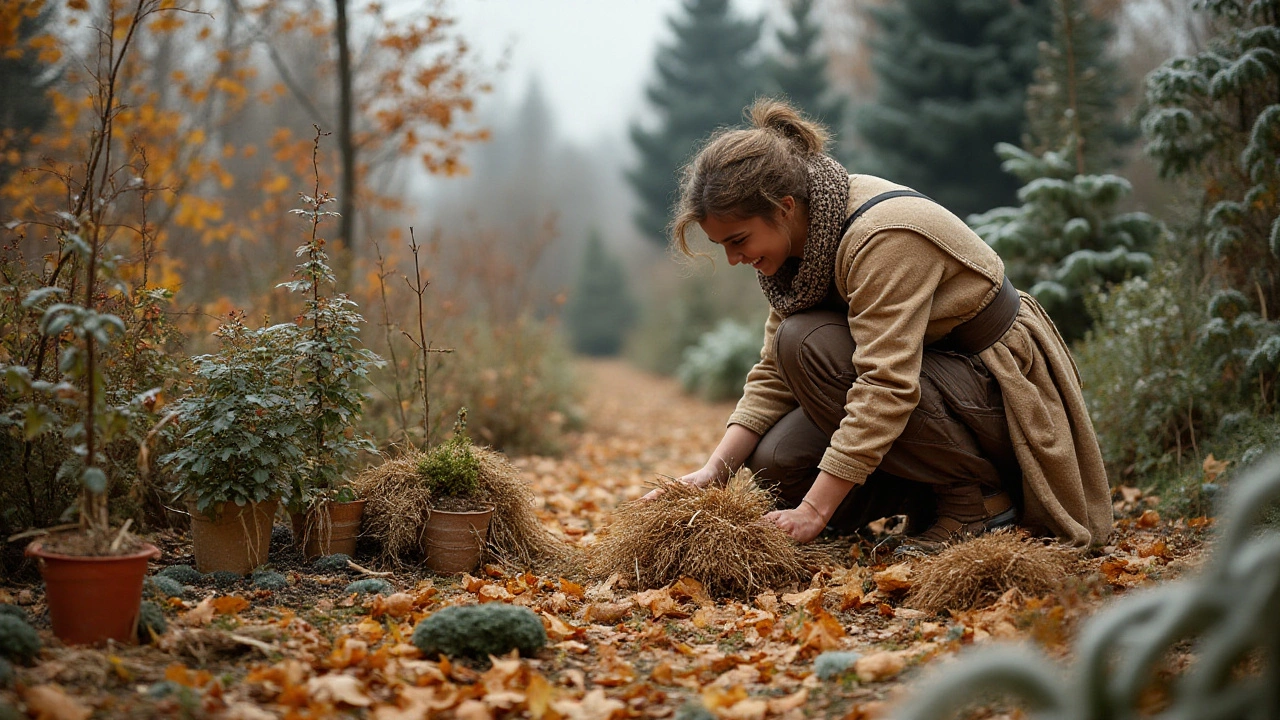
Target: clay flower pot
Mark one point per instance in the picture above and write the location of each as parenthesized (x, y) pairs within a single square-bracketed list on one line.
[(328, 529), (93, 599), (236, 539), (453, 542)]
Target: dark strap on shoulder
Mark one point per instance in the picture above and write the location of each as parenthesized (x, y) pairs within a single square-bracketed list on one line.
[(876, 201), (978, 332)]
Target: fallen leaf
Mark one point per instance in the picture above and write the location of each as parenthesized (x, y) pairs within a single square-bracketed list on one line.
[(607, 613), (50, 702), (895, 578), (802, 599), (558, 629), (337, 688), (230, 604), (1214, 467), (879, 666), (820, 633), (572, 589), (494, 593), (594, 706), (660, 603), (541, 694), (397, 605), (1149, 519), (200, 615), (473, 710), (686, 588)]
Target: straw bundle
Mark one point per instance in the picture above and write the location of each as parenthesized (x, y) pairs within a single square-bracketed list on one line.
[(977, 572), (398, 505), (714, 536)]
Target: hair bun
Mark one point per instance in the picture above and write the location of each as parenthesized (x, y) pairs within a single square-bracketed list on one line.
[(778, 116)]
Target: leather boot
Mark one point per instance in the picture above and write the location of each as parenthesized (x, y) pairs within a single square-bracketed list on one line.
[(963, 511)]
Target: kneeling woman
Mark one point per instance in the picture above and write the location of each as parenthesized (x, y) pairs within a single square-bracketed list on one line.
[(901, 371)]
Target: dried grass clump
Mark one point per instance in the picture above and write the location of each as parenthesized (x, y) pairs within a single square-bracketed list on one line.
[(398, 505), (977, 572), (714, 536)]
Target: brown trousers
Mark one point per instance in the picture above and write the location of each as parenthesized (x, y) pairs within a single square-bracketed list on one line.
[(957, 433)]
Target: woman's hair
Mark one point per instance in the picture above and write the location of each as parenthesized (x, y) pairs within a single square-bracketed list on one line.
[(745, 172)]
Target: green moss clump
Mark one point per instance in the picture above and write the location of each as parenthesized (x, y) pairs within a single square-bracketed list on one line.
[(374, 586), (18, 640), (451, 469), (336, 562), (150, 620), (6, 674), (479, 631), (164, 587), (269, 581), (281, 537), (15, 611), (225, 578), (834, 663), (184, 574)]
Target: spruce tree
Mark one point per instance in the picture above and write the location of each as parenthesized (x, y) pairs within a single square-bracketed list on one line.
[(1212, 120), (1072, 103), (799, 71), (952, 79), (24, 80), (600, 310), (1066, 239), (705, 78)]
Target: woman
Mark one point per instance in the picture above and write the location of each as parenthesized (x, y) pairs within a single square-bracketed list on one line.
[(901, 372)]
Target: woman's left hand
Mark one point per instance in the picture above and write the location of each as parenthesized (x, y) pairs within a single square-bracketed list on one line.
[(802, 524)]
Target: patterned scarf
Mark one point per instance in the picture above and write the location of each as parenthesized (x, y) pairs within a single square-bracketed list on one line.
[(802, 283)]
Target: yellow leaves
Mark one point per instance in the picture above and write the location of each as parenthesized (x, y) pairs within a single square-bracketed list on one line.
[(277, 184), (1213, 468), (880, 666), (337, 688), (820, 633)]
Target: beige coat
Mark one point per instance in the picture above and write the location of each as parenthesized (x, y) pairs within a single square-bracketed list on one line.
[(911, 271)]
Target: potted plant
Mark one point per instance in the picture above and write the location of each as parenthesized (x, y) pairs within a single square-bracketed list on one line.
[(330, 367), (240, 449), (457, 527), (93, 574)]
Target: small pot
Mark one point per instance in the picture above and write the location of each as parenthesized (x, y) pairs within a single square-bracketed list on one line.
[(237, 540), (453, 542), (93, 599), (332, 528)]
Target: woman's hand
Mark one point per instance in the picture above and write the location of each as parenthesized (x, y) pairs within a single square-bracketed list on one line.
[(700, 478), (802, 523)]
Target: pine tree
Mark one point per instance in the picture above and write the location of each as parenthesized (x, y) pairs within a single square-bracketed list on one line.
[(23, 82), (1213, 120), (600, 309), (1073, 101), (952, 83), (705, 78), (1066, 240), (799, 72)]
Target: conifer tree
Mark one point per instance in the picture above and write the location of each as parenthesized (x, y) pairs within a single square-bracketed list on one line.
[(1066, 239), (1077, 85), (23, 82), (600, 310), (1212, 120), (799, 72), (952, 79), (705, 77)]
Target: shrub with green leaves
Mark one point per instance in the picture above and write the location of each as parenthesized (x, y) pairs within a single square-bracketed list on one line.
[(164, 587), (716, 367), (478, 631), (242, 438), (337, 562), (269, 581), (184, 574), (451, 469), (369, 586), (151, 622)]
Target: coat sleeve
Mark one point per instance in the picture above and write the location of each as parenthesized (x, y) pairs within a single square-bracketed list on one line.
[(891, 280), (765, 397)]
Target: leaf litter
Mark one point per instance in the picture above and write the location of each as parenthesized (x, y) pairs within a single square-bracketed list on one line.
[(619, 647)]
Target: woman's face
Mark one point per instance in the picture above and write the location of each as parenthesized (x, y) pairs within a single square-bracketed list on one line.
[(761, 242)]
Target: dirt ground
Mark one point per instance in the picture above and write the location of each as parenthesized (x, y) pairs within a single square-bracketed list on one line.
[(313, 650)]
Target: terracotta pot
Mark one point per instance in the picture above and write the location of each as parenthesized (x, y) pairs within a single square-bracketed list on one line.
[(237, 540), (93, 599), (330, 529), (453, 542)]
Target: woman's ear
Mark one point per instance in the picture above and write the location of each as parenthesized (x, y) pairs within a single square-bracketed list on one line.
[(787, 206)]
